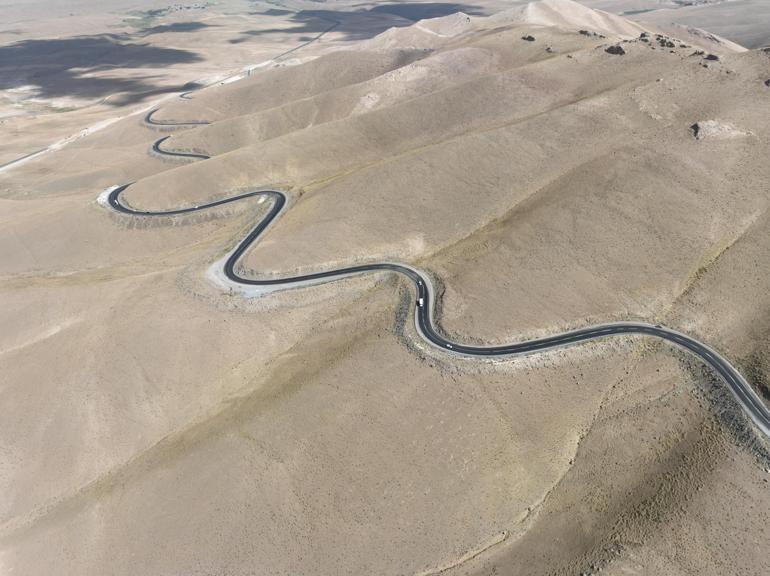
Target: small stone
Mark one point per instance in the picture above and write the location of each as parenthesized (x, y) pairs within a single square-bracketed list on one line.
[(528, 38), (617, 50), (712, 57)]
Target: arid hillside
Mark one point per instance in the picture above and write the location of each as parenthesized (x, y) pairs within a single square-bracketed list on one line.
[(550, 166), (744, 21)]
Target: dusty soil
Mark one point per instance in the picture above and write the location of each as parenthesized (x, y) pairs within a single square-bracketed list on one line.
[(150, 422), (746, 22)]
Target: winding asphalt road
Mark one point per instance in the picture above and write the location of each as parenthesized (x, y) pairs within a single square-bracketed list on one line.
[(158, 150), (425, 296), (148, 119)]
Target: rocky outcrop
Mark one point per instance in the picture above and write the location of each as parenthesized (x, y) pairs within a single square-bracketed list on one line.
[(716, 130)]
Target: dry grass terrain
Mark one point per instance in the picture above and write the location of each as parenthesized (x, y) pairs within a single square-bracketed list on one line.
[(152, 424), (744, 21)]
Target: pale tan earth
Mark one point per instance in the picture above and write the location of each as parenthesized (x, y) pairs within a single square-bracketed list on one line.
[(66, 66), (152, 424), (746, 22)]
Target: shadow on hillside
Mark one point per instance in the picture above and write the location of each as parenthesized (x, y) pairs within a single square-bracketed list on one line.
[(176, 27), (364, 23), (420, 11), (275, 12), (63, 67)]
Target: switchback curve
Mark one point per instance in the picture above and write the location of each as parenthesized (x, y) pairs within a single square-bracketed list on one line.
[(150, 121), (748, 400), (193, 155)]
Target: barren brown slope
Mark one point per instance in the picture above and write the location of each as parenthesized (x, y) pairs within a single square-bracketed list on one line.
[(487, 103), (152, 421), (270, 88)]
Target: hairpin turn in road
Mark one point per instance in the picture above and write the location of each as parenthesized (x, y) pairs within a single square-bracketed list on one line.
[(747, 398)]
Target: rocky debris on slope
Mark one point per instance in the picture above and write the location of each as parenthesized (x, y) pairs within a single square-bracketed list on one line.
[(664, 41), (709, 57), (591, 34), (617, 50), (660, 41), (716, 130), (699, 38), (704, 38), (528, 38)]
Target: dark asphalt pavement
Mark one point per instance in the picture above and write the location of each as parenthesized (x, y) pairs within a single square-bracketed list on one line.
[(747, 398)]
